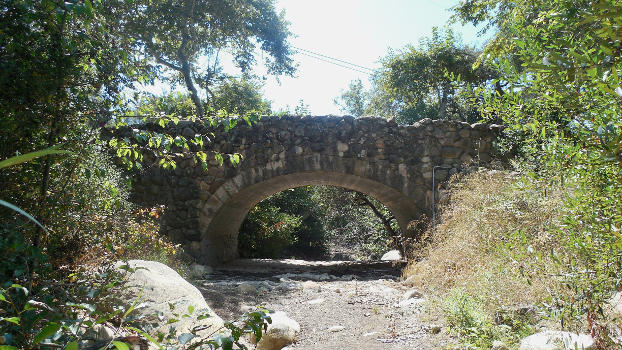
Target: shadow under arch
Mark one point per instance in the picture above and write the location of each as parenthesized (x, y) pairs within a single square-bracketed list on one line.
[(221, 223)]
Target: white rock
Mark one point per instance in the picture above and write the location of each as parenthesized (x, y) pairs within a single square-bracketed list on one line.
[(392, 255), (412, 293), (369, 334), (409, 302), (310, 285), (315, 301), (281, 332), (103, 332), (498, 345), (336, 329), (383, 290), (614, 306), (557, 340), (199, 271), (158, 286), (246, 288)]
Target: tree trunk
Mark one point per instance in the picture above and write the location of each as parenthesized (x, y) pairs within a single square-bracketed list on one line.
[(187, 73), (386, 222), (186, 70)]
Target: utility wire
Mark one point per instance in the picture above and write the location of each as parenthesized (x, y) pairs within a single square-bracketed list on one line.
[(326, 58), (337, 64), (332, 58)]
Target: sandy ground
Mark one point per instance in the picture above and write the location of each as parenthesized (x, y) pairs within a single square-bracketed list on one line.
[(364, 299)]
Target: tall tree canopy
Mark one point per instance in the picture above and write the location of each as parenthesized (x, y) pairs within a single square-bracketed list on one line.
[(186, 37), (354, 100), (421, 81)]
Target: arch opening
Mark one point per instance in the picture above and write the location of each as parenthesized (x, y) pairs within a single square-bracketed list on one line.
[(222, 219), (319, 222)]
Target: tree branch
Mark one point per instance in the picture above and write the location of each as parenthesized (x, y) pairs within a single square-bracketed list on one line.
[(168, 64)]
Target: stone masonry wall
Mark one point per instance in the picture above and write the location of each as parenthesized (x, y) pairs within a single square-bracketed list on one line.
[(392, 163)]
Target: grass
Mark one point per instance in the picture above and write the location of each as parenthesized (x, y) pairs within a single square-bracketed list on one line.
[(490, 250)]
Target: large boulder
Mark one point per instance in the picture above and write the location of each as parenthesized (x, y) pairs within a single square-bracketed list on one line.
[(162, 292), (557, 340), (280, 333)]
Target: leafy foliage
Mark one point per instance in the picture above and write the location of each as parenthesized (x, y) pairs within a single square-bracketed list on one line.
[(562, 61), (174, 35), (287, 223), (353, 100), (467, 317), (240, 97), (312, 221), (67, 314), (426, 81), (65, 68)]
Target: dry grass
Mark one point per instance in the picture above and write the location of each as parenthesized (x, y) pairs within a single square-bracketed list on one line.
[(493, 236)]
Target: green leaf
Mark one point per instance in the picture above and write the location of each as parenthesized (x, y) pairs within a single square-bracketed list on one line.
[(133, 306), (72, 345), (13, 207), (10, 319), (226, 343), (30, 156), (46, 332), (120, 345), (144, 334), (185, 337), (7, 347)]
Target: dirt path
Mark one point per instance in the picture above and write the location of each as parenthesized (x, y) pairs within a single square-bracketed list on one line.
[(339, 305)]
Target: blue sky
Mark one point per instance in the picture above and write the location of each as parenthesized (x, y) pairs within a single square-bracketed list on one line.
[(357, 31)]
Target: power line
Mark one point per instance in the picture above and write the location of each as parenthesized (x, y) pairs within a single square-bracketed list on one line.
[(337, 64), (310, 53)]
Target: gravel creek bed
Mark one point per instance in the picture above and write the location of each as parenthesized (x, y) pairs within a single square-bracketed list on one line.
[(338, 304)]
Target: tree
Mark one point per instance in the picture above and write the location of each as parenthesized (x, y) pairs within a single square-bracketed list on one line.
[(426, 81), (563, 107), (235, 96), (354, 100), (177, 34), (302, 108), (240, 96), (60, 71)]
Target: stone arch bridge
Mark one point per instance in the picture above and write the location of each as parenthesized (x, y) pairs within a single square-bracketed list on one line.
[(394, 164)]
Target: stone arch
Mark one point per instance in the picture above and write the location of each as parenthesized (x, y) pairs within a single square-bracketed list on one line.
[(223, 214), (395, 164)]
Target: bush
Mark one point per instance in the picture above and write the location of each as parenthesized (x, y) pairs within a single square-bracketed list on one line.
[(494, 241)]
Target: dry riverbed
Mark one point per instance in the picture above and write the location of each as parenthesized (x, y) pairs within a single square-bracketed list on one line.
[(339, 305)]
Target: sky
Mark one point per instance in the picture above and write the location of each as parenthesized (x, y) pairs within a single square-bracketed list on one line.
[(356, 31)]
